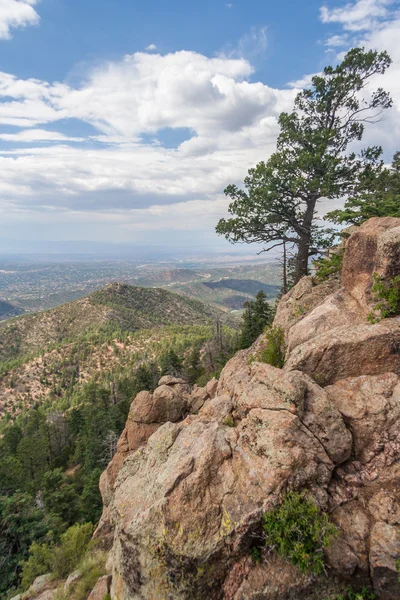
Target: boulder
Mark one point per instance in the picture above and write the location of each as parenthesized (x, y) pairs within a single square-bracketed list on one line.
[(211, 387), (384, 556), (170, 380), (171, 401), (349, 352), (101, 589), (281, 581), (186, 504), (47, 595), (326, 324), (373, 248), (349, 551), (71, 580), (337, 310), (197, 398), (41, 588), (371, 408), (301, 300)]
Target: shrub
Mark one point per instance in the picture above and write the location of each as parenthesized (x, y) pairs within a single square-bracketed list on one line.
[(255, 554), (38, 563), (299, 531), (91, 567), (350, 594), (229, 421), (273, 350), (387, 294), (73, 546), (326, 267)]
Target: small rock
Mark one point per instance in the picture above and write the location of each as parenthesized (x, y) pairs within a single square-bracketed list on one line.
[(72, 579), (169, 380), (211, 387), (101, 589)]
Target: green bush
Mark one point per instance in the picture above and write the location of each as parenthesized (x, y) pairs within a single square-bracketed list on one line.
[(59, 559), (38, 563), (387, 294), (229, 421), (273, 350), (73, 546), (350, 594), (299, 531), (91, 568), (255, 554), (326, 267)]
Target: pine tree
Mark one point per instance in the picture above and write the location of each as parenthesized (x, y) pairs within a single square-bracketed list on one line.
[(377, 195), (312, 161), (257, 315)]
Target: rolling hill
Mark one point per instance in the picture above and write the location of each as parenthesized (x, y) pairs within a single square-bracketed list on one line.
[(118, 306), (46, 358)]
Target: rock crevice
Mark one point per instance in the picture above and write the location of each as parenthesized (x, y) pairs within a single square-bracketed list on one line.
[(196, 468)]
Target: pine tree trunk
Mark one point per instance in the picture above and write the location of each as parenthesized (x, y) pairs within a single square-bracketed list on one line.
[(303, 252), (285, 283), (302, 257)]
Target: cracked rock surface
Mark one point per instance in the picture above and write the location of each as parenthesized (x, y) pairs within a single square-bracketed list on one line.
[(197, 467)]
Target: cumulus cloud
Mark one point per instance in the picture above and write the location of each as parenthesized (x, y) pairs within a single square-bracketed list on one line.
[(15, 14), (358, 16), (232, 123), (118, 173), (151, 48)]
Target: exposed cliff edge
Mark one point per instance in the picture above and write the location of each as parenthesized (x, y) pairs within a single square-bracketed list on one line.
[(197, 468)]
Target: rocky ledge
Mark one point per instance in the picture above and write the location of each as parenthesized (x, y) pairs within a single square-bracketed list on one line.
[(196, 468)]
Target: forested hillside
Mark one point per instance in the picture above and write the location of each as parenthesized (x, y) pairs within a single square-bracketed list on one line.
[(116, 307), (64, 403)]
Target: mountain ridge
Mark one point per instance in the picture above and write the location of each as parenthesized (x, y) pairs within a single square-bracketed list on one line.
[(117, 305)]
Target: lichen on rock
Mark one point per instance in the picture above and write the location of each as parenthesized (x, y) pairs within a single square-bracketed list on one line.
[(197, 468)]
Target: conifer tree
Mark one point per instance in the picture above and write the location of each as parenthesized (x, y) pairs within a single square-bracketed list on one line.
[(312, 161), (377, 195), (256, 316)]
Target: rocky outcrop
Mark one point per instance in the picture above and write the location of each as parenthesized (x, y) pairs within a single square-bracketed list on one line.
[(349, 352), (43, 588), (187, 504), (101, 589), (171, 402), (196, 468), (309, 310), (374, 248)]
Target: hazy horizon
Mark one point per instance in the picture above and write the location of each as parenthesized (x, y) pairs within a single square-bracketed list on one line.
[(122, 122)]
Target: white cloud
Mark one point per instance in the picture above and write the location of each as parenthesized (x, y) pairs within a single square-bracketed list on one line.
[(358, 16), (337, 41), (151, 48), (120, 175), (303, 82), (15, 14), (231, 123), (38, 135)]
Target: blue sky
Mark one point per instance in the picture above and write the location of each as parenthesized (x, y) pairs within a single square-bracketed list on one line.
[(125, 120), (75, 34)]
